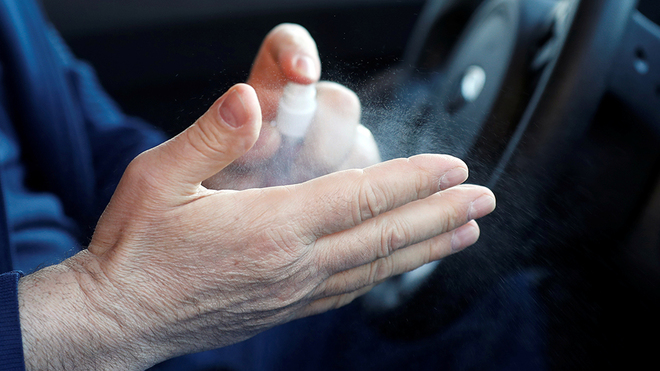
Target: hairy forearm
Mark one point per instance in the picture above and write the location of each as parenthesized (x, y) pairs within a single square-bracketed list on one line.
[(63, 330)]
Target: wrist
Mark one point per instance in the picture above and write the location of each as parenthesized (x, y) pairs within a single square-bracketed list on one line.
[(66, 323)]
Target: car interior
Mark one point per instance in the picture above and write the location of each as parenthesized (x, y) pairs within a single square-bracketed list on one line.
[(553, 104)]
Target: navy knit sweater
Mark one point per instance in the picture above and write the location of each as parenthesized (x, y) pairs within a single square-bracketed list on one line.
[(63, 148)]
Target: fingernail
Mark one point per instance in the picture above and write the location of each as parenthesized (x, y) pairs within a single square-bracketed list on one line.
[(463, 237), (305, 66), (232, 110), (482, 206), (453, 177)]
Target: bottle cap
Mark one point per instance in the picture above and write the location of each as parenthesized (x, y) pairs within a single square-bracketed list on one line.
[(296, 110)]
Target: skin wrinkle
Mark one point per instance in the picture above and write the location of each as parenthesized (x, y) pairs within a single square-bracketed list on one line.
[(253, 199), (446, 213), (78, 309), (281, 244), (145, 309), (394, 236), (423, 180), (207, 139), (346, 264), (436, 179), (337, 301), (295, 266), (302, 234), (149, 277), (368, 200), (141, 178), (373, 202), (285, 267), (341, 280), (383, 269), (328, 206)]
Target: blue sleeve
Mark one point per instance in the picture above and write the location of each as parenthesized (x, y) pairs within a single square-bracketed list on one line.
[(75, 141), (115, 138), (11, 343)]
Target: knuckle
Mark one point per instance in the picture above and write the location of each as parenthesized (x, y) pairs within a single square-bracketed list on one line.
[(365, 136), (381, 269), (139, 170), (206, 138), (136, 166), (458, 203), (345, 300), (453, 216), (386, 270), (394, 236), (341, 98), (372, 201), (144, 177), (423, 182)]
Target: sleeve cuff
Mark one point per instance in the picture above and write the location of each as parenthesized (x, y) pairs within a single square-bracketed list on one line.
[(11, 341)]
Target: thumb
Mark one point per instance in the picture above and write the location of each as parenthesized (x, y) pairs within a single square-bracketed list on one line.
[(225, 132)]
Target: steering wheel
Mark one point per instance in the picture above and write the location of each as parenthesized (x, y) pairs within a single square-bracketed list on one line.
[(510, 86)]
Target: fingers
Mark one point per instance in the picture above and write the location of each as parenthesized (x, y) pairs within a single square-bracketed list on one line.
[(407, 225), (288, 54), (401, 261), (333, 302), (333, 133), (335, 140), (225, 132), (343, 200), (364, 152)]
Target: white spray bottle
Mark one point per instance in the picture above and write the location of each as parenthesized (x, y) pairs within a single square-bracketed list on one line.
[(294, 115)]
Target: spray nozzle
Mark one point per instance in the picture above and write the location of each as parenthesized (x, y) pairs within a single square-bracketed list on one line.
[(296, 109)]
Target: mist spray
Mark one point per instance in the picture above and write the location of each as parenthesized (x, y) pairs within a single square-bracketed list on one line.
[(294, 115)]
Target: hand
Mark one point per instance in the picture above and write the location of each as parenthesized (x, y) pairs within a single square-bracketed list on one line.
[(335, 140), (176, 268)]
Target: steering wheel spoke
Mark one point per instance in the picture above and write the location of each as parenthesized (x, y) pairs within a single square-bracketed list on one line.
[(509, 89)]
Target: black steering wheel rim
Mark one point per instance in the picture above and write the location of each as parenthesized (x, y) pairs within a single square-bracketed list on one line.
[(555, 117)]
